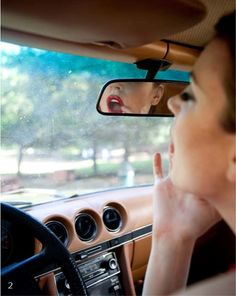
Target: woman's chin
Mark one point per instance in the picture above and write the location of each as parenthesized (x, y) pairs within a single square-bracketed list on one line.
[(183, 184), (176, 180)]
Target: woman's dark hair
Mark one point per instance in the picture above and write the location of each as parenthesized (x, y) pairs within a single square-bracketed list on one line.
[(225, 30)]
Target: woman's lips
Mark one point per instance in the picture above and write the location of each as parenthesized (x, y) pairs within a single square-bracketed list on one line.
[(171, 148), (171, 154), (114, 104)]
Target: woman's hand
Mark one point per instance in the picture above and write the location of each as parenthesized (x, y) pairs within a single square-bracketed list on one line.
[(179, 218), (178, 213)]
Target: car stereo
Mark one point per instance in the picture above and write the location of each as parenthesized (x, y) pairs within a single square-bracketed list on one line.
[(100, 275)]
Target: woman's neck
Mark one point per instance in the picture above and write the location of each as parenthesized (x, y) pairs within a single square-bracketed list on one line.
[(226, 206)]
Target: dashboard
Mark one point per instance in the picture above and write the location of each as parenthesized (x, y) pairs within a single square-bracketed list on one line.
[(103, 232), (88, 220), (109, 235)]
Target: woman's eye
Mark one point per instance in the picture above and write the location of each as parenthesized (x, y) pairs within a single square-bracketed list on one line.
[(186, 97)]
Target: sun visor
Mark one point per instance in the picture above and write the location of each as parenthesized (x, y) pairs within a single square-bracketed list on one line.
[(117, 24)]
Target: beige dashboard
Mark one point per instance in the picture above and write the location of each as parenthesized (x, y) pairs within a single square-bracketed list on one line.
[(131, 241)]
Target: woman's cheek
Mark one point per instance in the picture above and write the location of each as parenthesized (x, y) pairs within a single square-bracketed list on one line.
[(183, 152)]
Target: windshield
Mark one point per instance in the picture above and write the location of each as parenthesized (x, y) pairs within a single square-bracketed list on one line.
[(52, 137)]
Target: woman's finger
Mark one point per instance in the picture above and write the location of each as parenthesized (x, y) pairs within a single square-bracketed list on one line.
[(157, 167)]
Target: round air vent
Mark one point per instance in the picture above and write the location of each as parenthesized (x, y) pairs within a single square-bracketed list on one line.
[(85, 227), (112, 219), (59, 230)]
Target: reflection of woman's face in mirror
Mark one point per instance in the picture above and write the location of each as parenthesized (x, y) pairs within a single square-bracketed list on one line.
[(131, 97)]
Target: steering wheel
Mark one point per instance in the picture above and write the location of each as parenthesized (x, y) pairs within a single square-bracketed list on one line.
[(22, 274)]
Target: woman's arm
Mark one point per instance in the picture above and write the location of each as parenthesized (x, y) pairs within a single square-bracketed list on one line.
[(168, 265), (179, 218)]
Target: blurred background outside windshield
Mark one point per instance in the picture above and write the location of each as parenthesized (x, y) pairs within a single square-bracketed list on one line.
[(51, 134)]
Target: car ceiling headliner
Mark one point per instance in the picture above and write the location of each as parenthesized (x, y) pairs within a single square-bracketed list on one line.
[(127, 31)]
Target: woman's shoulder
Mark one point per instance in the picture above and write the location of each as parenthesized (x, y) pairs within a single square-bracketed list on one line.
[(223, 284)]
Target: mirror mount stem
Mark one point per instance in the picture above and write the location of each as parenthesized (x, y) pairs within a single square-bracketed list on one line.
[(152, 66)]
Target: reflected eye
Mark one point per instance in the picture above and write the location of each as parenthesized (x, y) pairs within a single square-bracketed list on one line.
[(185, 96)]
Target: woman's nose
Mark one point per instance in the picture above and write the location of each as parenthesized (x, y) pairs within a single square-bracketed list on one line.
[(117, 86), (174, 104)]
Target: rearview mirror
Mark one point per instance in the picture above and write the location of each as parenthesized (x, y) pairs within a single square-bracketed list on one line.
[(138, 97)]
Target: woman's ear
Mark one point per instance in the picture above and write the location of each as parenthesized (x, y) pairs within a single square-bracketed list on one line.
[(158, 94), (231, 172)]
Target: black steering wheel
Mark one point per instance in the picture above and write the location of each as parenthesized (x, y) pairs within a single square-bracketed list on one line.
[(22, 274)]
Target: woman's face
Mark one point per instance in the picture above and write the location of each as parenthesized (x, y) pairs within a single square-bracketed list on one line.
[(200, 148), (130, 97)]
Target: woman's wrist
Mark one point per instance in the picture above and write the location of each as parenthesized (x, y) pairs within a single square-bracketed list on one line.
[(173, 238), (170, 255), (174, 232)]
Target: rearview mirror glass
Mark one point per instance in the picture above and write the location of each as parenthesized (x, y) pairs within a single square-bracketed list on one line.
[(138, 97)]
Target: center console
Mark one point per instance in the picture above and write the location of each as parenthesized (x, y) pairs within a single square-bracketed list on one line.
[(100, 274)]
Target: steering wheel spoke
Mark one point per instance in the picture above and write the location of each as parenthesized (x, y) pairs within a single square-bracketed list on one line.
[(31, 266)]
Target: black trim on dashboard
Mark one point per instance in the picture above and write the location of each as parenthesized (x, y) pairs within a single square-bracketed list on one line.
[(115, 242)]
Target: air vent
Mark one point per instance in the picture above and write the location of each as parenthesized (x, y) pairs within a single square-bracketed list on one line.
[(59, 230), (112, 219), (85, 227)]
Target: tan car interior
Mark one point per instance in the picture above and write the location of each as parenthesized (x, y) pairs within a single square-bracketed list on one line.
[(129, 31)]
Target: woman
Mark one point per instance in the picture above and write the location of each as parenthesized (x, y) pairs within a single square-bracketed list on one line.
[(131, 97), (200, 188)]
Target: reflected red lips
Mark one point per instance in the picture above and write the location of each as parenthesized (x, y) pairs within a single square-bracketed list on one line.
[(114, 104)]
